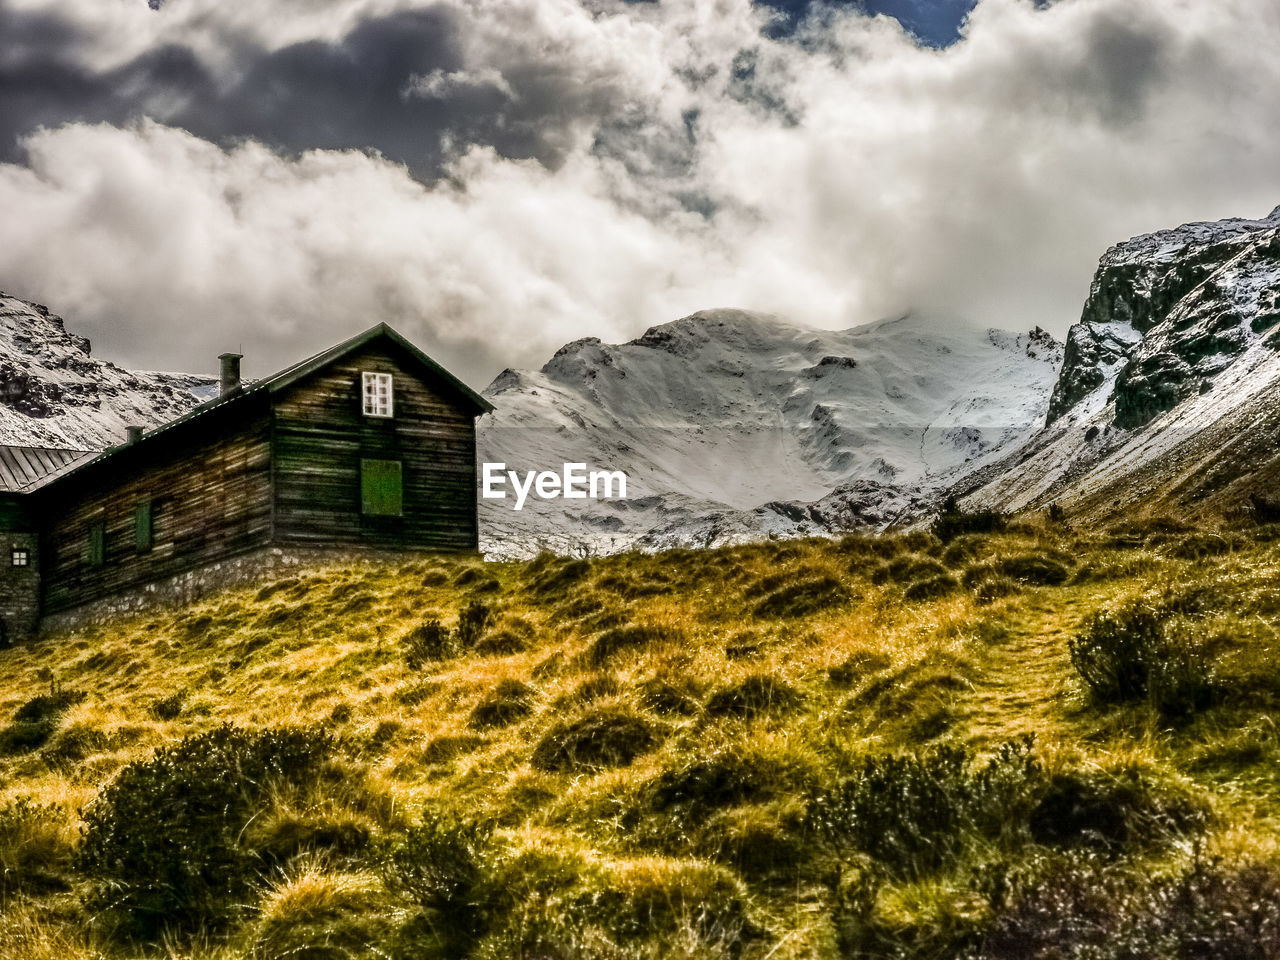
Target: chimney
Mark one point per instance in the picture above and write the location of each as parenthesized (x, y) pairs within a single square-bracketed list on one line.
[(230, 372), (132, 434)]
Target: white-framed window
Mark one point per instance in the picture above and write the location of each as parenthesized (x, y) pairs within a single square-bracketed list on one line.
[(377, 395), (20, 557)]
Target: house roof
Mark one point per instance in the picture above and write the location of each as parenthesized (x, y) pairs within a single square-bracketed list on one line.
[(24, 468), (280, 381)]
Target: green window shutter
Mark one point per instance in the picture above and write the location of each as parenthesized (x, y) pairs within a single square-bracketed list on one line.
[(142, 529), (97, 546), (381, 488)]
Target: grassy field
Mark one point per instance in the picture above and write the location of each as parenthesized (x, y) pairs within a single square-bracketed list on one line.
[(1037, 742)]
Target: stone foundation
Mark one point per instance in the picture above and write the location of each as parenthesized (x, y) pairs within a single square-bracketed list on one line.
[(268, 563)]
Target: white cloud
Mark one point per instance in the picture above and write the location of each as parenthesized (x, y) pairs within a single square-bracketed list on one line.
[(846, 177)]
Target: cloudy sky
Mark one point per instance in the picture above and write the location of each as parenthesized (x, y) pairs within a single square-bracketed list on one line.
[(497, 177)]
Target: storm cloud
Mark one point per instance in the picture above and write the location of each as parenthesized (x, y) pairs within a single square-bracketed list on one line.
[(496, 177)]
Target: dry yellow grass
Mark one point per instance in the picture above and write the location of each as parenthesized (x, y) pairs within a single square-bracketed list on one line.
[(860, 673)]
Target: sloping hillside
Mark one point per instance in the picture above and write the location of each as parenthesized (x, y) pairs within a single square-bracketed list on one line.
[(814, 749)]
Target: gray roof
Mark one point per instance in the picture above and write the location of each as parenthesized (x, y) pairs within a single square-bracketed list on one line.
[(26, 468)]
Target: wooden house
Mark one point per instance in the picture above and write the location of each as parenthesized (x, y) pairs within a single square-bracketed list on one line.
[(370, 444)]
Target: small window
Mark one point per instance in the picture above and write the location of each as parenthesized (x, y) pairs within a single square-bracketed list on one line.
[(20, 557), (381, 488), (377, 395), (96, 547), (143, 530)]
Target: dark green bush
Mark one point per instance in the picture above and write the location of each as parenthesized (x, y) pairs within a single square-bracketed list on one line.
[(428, 642), (1197, 546), (1265, 509), (803, 598), (1036, 569), (752, 696), (48, 706), (953, 521), (1088, 908), (444, 867), (472, 620), (914, 813), (170, 707), (163, 840), (609, 736), (1111, 811), (1142, 651)]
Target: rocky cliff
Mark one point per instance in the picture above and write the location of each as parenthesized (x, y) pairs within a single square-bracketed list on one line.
[(1169, 393)]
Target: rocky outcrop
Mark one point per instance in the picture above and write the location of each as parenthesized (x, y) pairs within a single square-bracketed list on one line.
[(55, 393), (1169, 311), (1169, 392)]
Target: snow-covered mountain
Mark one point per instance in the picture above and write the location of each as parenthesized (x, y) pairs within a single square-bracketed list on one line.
[(1169, 394), (734, 426), (53, 393)]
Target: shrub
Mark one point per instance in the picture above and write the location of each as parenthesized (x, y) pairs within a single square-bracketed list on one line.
[(48, 706), (1110, 811), (609, 736), (1085, 908), (1265, 509), (953, 521), (510, 702), (752, 696), (931, 588), (914, 813), (170, 707), (1200, 545), (802, 599), (472, 621), (428, 642), (162, 841), (963, 548), (687, 795), (1141, 651), (619, 640), (443, 867)]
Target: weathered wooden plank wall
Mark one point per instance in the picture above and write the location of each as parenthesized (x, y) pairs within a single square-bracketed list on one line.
[(210, 494), (321, 433)]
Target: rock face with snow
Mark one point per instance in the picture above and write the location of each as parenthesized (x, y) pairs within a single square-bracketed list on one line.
[(734, 426), (1169, 394), (53, 393)]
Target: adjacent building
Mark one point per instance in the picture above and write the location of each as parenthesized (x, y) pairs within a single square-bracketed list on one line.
[(369, 445)]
